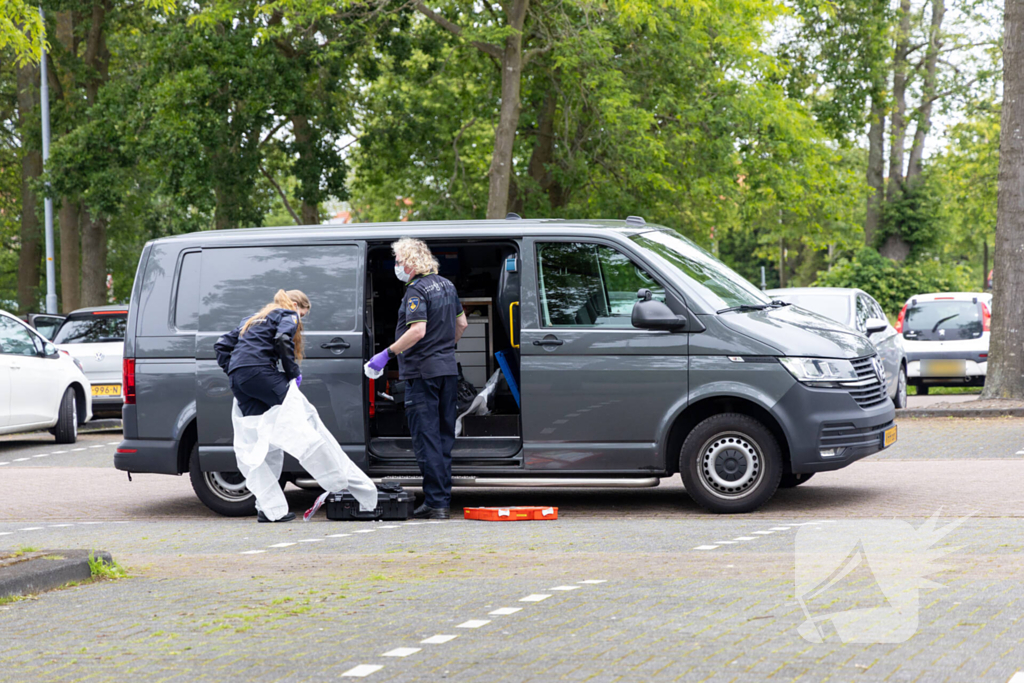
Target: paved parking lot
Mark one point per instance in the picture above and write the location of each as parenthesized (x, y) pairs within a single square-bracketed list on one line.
[(640, 584)]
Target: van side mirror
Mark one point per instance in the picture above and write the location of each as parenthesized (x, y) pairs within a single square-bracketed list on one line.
[(649, 314), (873, 325)]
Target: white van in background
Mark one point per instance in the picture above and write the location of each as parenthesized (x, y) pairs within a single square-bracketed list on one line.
[(946, 336)]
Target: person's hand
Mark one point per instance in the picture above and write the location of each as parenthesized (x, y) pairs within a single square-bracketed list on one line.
[(298, 381), (379, 362)]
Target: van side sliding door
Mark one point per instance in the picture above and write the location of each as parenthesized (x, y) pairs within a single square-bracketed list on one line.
[(237, 282)]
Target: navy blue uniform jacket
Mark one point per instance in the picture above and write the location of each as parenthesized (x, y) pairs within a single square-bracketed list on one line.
[(263, 344), (429, 299)]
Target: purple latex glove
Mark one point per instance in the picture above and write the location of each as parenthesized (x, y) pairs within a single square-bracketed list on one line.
[(298, 381), (379, 362)]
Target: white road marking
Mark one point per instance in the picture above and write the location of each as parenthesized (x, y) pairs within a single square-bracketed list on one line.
[(75, 450), (364, 531), (252, 552), (1018, 453), (57, 452), (57, 526), (280, 545), (5, 463), (764, 533), (474, 623), (337, 535), (113, 443), (706, 547), (99, 445), (506, 610), (780, 528), (725, 542), (563, 588), (309, 540), (362, 670), (437, 640), (592, 581), (90, 522), (536, 597), (19, 460), (42, 455), (6, 533), (1019, 676), (745, 538), (401, 652), (413, 523), (389, 526), (31, 528)]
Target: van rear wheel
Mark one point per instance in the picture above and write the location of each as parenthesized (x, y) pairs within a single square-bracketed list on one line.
[(730, 463), (223, 492)]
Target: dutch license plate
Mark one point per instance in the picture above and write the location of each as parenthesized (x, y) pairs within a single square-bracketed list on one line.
[(943, 368), (106, 389), (890, 437)]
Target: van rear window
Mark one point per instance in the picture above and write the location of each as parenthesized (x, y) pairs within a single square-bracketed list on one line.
[(943, 320), (92, 330)]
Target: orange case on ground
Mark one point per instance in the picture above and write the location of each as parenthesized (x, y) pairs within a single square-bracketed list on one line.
[(523, 513)]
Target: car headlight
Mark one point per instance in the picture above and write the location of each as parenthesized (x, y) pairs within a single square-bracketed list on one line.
[(821, 372)]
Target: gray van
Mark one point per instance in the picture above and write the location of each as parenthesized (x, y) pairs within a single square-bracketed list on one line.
[(624, 353)]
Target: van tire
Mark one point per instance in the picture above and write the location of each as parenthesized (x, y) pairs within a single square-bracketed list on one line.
[(66, 429), (720, 439), (213, 489)]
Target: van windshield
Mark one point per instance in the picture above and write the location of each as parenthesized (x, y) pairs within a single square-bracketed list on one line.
[(722, 287)]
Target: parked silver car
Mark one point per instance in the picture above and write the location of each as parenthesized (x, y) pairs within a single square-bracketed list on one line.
[(859, 310), (95, 338)]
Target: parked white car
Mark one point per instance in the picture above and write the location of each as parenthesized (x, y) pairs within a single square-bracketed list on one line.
[(857, 309), (41, 387), (946, 337), (95, 337)]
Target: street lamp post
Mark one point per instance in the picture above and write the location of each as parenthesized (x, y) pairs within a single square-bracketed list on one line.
[(44, 92)]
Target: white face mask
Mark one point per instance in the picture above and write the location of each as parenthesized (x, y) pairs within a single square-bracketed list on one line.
[(400, 273)]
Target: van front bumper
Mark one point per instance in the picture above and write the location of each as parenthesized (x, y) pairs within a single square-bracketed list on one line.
[(153, 456), (817, 420)]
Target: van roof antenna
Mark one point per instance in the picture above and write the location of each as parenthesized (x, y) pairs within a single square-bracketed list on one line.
[(636, 220), (513, 216)]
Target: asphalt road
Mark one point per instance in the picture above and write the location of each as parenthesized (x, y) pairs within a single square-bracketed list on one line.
[(640, 584)]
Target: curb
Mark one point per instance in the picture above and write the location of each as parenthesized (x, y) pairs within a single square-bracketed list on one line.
[(963, 412), (36, 574)]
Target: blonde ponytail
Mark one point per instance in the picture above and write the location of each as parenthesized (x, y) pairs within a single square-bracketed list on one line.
[(292, 300)]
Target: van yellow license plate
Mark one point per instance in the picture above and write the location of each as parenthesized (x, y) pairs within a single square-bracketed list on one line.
[(106, 389), (890, 437)]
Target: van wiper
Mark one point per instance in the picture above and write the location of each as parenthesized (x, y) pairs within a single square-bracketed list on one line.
[(745, 307)]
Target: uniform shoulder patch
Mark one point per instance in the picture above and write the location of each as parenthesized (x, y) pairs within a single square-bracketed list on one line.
[(414, 303)]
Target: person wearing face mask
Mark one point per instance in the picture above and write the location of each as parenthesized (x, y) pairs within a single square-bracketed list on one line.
[(249, 355), (430, 323)]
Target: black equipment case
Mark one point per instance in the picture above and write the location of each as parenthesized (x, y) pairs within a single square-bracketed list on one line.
[(393, 503)]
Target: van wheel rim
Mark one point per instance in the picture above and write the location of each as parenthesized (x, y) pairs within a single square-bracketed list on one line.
[(730, 465), (228, 486)]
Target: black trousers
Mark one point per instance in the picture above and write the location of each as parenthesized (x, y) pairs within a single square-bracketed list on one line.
[(257, 388), (430, 412)]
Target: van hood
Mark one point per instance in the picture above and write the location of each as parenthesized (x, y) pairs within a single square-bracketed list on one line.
[(798, 332)]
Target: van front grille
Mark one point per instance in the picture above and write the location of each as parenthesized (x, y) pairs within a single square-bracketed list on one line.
[(868, 395)]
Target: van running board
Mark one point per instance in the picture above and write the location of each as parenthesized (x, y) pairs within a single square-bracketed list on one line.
[(518, 482)]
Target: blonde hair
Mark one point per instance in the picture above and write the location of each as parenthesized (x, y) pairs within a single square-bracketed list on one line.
[(293, 300), (415, 254)]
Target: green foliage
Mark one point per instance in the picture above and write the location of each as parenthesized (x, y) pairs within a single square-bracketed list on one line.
[(915, 214), (105, 570), (21, 31), (892, 283)]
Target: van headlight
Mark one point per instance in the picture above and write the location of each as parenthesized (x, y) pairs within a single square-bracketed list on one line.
[(821, 372)]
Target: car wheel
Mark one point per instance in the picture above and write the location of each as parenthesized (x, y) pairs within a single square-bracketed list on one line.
[(66, 429), (223, 492), (730, 463), (901, 389), (792, 480)]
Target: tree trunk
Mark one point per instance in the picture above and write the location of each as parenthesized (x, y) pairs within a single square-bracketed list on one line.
[(310, 212), (94, 260), (876, 169), (924, 120), (899, 95), (1006, 348), (70, 255), (544, 152), (96, 56), (508, 116), (30, 255)]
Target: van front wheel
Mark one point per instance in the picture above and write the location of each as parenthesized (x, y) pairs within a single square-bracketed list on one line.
[(222, 492), (730, 463)]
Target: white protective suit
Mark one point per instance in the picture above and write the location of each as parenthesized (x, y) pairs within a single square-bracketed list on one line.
[(294, 426)]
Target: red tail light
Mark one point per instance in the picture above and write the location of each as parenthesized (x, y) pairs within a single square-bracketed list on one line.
[(899, 321), (986, 318), (128, 380)]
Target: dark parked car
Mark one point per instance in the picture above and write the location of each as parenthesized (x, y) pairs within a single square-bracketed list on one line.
[(626, 353)]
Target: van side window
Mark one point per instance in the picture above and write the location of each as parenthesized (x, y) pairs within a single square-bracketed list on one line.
[(589, 285), (186, 307)]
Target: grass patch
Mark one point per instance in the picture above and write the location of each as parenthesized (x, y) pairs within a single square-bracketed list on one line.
[(102, 570), (53, 557), (940, 391), (12, 598)]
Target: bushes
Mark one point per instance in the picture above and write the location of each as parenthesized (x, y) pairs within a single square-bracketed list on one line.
[(892, 283)]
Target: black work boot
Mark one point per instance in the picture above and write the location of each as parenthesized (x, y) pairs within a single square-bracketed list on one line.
[(424, 512), (260, 517)]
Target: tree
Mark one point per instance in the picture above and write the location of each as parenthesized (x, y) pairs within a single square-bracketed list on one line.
[(1005, 377)]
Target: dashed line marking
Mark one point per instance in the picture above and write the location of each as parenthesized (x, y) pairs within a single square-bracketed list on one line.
[(501, 611), (31, 528), (362, 670), (99, 445), (389, 526), (780, 528), (252, 552), (594, 581), (42, 455), (5, 463), (474, 623), (1019, 676), (764, 533), (58, 526), (437, 640), (19, 460), (309, 540), (90, 522), (280, 545), (75, 450), (6, 533), (706, 547), (725, 542), (401, 652), (337, 535), (536, 597), (113, 443), (745, 538), (364, 531), (563, 588)]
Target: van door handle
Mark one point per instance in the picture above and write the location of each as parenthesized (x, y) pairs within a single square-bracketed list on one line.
[(548, 342), (336, 345)]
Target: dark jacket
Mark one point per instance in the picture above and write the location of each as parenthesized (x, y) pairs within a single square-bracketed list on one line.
[(263, 344)]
